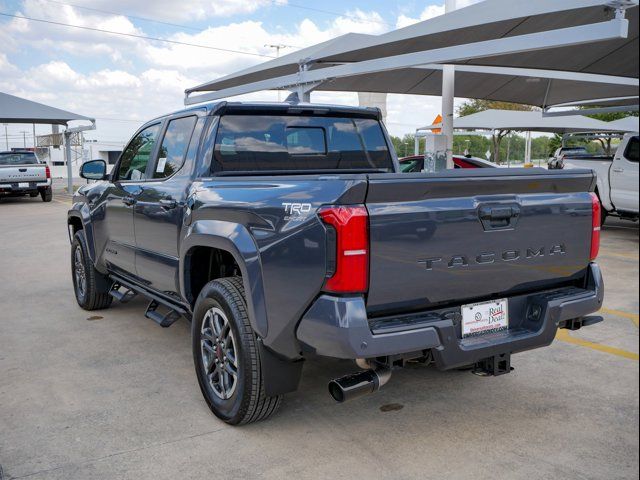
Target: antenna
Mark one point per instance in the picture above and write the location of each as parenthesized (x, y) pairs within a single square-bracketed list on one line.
[(278, 47)]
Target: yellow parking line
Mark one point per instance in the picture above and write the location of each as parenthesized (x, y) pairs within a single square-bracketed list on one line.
[(619, 313), (563, 335)]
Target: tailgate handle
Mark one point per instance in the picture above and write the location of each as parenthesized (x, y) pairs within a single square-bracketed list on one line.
[(498, 217)]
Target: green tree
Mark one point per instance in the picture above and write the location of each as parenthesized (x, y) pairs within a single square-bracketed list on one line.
[(403, 145), (475, 105), (606, 141)]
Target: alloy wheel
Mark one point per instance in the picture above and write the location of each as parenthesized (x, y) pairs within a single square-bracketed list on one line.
[(219, 353)]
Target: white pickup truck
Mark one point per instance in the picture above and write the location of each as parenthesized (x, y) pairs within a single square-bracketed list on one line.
[(617, 180), (22, 174)]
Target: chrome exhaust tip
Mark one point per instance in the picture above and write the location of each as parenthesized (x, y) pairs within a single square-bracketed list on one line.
[(358, 384)]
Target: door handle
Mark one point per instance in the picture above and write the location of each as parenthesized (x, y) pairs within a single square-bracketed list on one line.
[(168, 204), (618, 170), (499, 217), (498, 213), (129, 200)]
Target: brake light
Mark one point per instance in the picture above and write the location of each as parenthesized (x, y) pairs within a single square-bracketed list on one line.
[(47, 171), (595, 223), (351, 271)]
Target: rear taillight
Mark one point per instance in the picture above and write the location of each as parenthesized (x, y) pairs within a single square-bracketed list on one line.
[(595, 223), (47, 171), (350, 270)]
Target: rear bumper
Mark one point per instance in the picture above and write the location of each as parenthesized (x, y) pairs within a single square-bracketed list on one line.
[(338, 327), (16, 189)]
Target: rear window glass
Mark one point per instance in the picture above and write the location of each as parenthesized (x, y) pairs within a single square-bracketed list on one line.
[(283, 142), (633, 149), (18, 158)]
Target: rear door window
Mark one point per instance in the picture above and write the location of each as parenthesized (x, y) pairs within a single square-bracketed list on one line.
[(289, 142), (174, 146)]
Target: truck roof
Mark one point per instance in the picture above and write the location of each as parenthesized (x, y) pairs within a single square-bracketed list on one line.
[(273, 108)]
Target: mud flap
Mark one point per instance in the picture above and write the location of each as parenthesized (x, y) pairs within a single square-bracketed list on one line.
[(280, 376)]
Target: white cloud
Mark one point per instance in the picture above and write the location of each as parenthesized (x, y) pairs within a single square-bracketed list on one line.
[(132, 79), (430, 11), (170, 10), (251, 36)]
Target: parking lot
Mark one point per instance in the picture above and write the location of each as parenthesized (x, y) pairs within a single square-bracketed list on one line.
[(109, 394)]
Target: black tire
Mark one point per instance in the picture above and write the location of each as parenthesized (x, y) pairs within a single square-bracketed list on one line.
[(46, 194), (247, 402), (603, 213), (88, 295)]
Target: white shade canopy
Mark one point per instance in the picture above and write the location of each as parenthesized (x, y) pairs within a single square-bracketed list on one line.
[(19, 110), (530, 122), (565, 72), (627, 124)]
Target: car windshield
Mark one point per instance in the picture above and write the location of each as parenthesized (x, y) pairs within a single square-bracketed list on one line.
[(297, 142), (411, 165), (18, 158)]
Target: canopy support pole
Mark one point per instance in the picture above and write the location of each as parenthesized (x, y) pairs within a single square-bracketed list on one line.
[(67, 160), (448, 88), (67, 151)]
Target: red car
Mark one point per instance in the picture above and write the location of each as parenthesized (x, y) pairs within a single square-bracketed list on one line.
[(414, 163)]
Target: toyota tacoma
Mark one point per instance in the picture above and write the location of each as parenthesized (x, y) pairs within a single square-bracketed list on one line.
[(284, 231)]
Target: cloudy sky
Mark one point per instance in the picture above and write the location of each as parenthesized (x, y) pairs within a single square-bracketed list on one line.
[(124, 80)]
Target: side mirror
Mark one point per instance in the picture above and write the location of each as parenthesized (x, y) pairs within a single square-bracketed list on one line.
[(94, 170)]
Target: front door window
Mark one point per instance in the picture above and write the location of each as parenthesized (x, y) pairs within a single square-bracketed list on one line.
[(134, 159)]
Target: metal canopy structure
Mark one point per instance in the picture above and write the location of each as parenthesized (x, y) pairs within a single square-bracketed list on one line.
[(627, 124), (19, 110), (572, 50), (531, 122)]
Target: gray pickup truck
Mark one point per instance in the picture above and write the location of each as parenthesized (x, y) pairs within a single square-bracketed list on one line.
[(284, 231), (22, 174)]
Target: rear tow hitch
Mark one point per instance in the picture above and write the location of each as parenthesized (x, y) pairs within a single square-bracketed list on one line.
[(360, 383), (493, 366), (578, 323)]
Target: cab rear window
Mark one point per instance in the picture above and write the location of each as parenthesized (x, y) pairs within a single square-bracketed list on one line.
[(288, 142), (18, 158)]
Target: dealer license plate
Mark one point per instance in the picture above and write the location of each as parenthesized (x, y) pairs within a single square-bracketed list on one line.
[(23, 185), (487, 317)]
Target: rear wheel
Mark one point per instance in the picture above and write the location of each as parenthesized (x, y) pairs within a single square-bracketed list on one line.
[(225, 354), (603, 213), (85, 277), (46, 194)]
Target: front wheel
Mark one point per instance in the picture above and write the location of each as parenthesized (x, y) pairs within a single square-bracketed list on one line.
[(225, 355)]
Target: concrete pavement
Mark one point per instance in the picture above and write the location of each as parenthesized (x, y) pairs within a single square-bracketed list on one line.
[(110, 394)]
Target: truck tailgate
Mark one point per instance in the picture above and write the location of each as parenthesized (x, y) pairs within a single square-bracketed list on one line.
[(455, 237), (22, 173)]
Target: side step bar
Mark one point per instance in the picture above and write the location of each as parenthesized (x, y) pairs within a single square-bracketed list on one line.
[(122, 297), (164, 320)]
